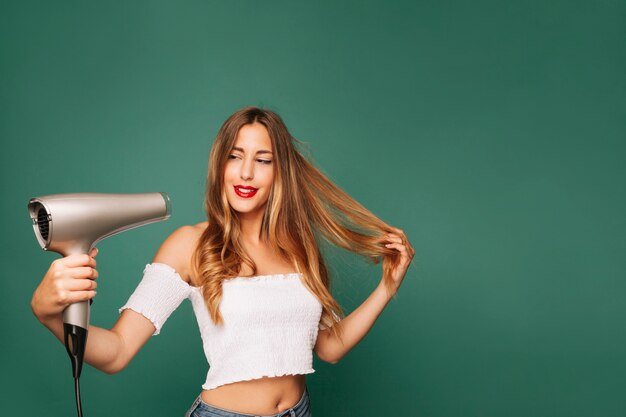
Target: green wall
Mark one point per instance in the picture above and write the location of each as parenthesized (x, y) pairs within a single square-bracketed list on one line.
[(492, 132)]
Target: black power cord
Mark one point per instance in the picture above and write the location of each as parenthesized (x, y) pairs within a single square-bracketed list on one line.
[(79, 406), (75, 343)]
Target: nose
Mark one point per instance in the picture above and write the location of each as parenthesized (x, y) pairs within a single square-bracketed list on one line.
[(247, 170)]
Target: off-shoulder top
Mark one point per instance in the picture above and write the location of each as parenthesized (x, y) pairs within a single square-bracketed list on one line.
[(271, 322)]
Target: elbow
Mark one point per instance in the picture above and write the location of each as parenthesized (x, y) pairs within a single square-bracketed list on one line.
[(113, 367), (109, 371), (112, 370), (325, 358), (328, 358), (118, 358), (334, 360), (327, 349), (330, 361)]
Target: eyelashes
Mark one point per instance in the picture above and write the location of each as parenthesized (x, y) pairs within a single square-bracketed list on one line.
[(262, 161)]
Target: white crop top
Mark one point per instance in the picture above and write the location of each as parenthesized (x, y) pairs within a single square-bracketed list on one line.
[(270, 325)]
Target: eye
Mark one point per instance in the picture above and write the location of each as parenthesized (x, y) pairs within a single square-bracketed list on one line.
[(264, 161), (233, 156)]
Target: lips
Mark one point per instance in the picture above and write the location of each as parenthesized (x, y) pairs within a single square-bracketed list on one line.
[(245, 191)]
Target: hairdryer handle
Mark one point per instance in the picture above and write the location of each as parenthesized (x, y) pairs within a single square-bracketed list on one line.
[(75, 329), (77, 314)]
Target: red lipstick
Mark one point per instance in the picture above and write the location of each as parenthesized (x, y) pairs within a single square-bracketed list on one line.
[(245, 191)]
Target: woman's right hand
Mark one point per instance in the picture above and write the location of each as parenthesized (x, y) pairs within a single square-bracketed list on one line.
[(68, 280)]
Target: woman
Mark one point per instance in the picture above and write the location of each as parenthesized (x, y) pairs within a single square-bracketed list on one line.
[(253, 272)]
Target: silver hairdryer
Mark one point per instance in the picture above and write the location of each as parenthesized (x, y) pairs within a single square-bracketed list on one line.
[(73, 223)]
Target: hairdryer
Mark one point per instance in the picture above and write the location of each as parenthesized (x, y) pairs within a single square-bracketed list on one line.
[(72, 224)]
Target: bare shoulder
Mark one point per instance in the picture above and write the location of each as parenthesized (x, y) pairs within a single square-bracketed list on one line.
[(177, 249)]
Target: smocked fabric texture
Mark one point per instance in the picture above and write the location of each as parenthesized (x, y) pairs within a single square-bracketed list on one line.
[(270, 325)]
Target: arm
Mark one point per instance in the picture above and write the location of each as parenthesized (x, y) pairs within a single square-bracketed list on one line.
[(112, 350), (355, 326)]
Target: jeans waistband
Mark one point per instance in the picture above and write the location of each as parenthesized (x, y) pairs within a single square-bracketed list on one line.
[(208, 410)]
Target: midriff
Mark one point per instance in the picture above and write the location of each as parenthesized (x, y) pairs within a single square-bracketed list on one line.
[(264, 396)]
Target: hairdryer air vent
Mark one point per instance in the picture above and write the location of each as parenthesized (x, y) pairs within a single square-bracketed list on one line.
[(42, 223)]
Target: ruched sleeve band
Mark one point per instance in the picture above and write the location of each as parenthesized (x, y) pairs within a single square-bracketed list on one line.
[(159, 293)]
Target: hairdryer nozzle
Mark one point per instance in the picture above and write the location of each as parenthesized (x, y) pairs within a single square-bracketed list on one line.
[(168, 205)]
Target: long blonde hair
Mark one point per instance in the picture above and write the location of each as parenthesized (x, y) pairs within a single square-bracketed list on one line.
[(304, 206)]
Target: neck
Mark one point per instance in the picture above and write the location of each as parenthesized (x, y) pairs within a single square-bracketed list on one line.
[(251, 226)]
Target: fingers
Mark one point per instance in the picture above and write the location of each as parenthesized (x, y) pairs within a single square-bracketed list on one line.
[(404, 253), (68, 280), (74, 290), (59, 270), (77, 260), (73, 278), (83, 272), (81, 285), (393, 238), (71, 297), (400, 239)]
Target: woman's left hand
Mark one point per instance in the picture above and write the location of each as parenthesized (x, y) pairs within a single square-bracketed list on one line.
[(400, 242)]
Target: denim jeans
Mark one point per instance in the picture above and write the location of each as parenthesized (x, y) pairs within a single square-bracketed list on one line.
[(202, 409)]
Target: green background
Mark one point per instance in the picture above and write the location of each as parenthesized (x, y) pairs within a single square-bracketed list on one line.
[(492, 132)]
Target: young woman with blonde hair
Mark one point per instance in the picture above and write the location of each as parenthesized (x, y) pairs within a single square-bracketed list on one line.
[(254, 273)]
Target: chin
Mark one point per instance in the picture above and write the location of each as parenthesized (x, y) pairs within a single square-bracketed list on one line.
[(242, 208)]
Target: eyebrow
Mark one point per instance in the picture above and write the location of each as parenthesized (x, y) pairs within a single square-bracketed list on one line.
[(260, 151)]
